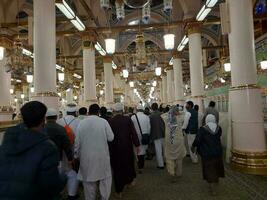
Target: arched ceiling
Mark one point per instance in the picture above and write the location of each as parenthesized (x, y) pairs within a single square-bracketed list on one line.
[(94, 16)]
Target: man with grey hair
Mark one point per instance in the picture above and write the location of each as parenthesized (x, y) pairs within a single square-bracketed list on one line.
[(142, 126)]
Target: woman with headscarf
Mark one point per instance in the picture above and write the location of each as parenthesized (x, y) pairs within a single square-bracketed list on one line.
[(174, 143), (208, 146)]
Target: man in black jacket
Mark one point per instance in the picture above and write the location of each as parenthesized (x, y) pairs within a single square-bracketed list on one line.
[(190, 128), (58, 134), (29, 160)]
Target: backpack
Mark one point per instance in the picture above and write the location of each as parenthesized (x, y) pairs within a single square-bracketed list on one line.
[(69, 131)]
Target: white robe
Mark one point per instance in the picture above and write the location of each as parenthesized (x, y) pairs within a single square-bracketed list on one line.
[(145, 127), (91, 146)]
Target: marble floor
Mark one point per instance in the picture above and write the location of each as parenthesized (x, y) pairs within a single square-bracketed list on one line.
[(155, 184)]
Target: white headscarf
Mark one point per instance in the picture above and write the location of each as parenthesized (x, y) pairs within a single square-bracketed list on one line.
[(211, 122)]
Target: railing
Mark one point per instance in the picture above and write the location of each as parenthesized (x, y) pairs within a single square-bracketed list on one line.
[(7, 124)]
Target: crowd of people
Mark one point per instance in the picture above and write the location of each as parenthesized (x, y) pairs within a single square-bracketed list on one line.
[(48, 152)]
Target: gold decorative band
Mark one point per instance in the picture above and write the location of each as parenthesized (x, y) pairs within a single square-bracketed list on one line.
[(200, 96), (6, 109), (107, 59), (244, 87), (194, 27), (250, 162), (177, 54), (46, 94), (7, 124)]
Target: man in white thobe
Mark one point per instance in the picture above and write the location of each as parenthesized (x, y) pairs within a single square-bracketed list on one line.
[(91, 147), (65, 167), (144, 125)]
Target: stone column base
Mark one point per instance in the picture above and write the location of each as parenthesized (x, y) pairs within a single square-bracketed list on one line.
[(51, 100), (250, 162)]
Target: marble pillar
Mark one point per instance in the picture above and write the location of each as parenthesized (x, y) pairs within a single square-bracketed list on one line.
[(249, 153), (45, 53), (108, 76), (89, 73), (164, 89), (196, 66), (178, 79), (170, 86), (5, 97)]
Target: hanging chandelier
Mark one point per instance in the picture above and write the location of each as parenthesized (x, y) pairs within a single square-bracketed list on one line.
[(167, 5), (136, 3), (146, 13), (120, 12), (141, 59), (104, 4)]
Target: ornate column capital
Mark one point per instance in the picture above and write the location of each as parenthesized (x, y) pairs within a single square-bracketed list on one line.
[(177, 54), (193, 27), (5, 41), (107, 59), (169, 67), (89, 39)]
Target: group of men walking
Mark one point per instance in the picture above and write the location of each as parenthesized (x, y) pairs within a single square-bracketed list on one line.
[(92, 148)]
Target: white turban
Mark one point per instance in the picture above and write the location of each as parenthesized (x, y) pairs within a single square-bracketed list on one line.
[(71, 108), (118, 107), (51, 112), (140, 107)]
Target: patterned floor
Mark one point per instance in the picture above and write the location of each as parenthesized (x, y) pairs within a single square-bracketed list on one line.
[(156, 184)]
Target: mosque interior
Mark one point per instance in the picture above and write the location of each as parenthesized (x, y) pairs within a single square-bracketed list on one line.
[(144, 51)]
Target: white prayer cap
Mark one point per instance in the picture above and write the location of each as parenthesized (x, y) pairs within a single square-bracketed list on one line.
[(140, 107), (51, 112), (118, 107), (109, 110), (71, 108)]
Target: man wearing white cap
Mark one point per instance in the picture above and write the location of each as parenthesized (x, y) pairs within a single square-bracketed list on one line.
[(142, 126), (91, 147), (58, 134), (71, 121)]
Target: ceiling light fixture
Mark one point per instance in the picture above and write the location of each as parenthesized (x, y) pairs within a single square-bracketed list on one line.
[(114, 66), (183, 43), (227, 67), (61, 77), (169, 41), (131, 83), (2, 52), (110, 45), (211, 3), (65, 9), (78, 24), (263, 64), (158, 71), (125, 73), (29, 78), (205, 10), (77, 76)]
